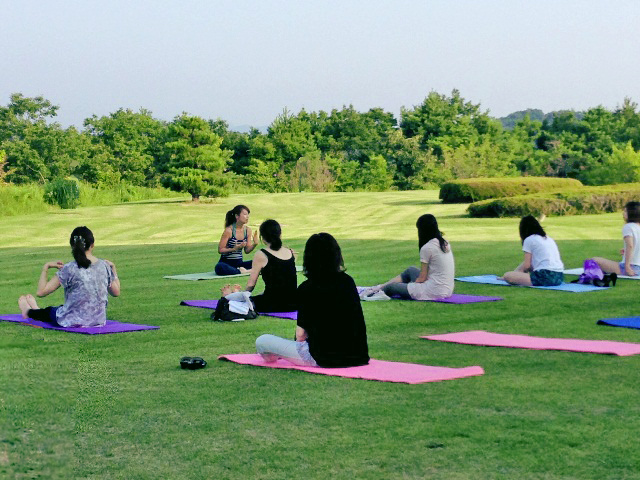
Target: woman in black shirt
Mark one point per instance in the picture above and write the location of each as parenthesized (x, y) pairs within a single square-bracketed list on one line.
[(277, 265), (331, 331)]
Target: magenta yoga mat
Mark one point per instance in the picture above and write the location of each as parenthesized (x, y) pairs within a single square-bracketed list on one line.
[(490, 339), (379, 370), (110, 327)]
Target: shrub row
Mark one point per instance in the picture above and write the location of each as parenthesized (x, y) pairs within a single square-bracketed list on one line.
[(34, 198), (474, 189), (605, 199)]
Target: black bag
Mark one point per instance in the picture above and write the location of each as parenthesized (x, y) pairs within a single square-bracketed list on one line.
[(223, 314)]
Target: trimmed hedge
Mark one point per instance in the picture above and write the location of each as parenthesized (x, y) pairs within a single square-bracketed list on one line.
[(474, 189), (605, 199)]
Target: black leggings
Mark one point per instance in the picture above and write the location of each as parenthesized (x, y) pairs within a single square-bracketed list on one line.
[(47, 315)]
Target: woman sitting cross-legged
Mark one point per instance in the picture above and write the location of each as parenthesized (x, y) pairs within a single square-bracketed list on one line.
[(331, 331), (435, 277), (277, 265), (542, 265), (87, 281)]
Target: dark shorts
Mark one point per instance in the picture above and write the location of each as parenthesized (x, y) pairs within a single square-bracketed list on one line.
[(546, 278), (47, 315)]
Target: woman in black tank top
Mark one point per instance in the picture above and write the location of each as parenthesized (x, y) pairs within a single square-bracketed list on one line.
[(277, 265)]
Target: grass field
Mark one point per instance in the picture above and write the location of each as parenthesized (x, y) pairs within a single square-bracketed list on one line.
[(119, 406)]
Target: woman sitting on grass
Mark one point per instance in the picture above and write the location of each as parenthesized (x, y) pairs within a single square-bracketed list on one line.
[(277, 265), (235, 237), (630, 264), (86, 282), (331, 331), (542, 266), (435, 277)]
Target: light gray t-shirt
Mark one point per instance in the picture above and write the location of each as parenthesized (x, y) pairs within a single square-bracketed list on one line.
[(632, 230), (85, 294), (441, 273)]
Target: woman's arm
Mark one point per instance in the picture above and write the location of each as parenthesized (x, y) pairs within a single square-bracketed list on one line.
[(259, 262), (46, 287), (114, 287), (252, 241), (222, 245), (301, 334), (424, 273), (628, 250), (526, 263)]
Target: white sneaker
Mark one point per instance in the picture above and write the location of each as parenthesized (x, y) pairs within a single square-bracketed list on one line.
[(376, 296)]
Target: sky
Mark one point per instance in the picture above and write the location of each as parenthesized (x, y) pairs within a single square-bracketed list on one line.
[(246, 61)]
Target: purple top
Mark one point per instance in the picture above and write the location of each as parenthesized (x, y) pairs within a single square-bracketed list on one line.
[(85, 294)]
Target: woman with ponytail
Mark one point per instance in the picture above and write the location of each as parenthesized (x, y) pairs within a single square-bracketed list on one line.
[(235, 238), (86, 282), (277, 265), (435, 277)]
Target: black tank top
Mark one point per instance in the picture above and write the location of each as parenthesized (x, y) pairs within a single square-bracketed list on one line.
[(280, 280)]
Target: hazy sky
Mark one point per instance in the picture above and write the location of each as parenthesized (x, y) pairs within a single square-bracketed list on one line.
[(244, 61)]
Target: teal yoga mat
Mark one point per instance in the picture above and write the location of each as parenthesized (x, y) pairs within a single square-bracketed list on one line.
[(209, 275), (565, 287)]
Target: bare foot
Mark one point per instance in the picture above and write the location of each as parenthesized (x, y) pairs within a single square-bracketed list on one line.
[(243, 270), (24, 306), (226, 290), (32, 301), (236, 288)]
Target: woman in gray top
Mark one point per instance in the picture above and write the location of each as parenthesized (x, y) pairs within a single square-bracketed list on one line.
[(87, 281)]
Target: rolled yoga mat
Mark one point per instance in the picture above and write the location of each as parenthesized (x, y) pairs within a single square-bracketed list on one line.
[(110, 327), (379, 370)]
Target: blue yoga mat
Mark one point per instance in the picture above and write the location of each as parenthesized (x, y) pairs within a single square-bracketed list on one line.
[(565, 287), (626, 322)]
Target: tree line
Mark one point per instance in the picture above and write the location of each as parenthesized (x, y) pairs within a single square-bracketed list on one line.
[(445, 137)]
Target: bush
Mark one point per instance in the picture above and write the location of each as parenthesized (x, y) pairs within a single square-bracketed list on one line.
[(21, 199), (474, 189), (64, 192), (606, 199)]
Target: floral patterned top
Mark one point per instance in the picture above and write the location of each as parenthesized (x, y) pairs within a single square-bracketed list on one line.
[(85, 294)]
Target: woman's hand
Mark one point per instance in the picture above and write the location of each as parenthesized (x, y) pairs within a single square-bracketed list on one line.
[(57, 265)]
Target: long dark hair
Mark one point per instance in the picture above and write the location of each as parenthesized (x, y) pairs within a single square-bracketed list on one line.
[(530, 226), (81, 240), (230, 217), (322, 257), (428, 230), (633, 212), (270, 231)]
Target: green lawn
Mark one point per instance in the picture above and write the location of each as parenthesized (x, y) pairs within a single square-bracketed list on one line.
[(119, 406)]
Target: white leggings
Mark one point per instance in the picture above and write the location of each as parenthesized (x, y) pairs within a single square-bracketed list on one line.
[(272, 347)]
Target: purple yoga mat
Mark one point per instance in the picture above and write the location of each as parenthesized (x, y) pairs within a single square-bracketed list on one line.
[(211, 304), (379, 370), (457, 298), (111, 326)]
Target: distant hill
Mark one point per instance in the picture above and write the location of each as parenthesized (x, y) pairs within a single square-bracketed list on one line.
[(536, 114)]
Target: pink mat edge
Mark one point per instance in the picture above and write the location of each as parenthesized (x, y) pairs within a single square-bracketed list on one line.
[(607, 347)]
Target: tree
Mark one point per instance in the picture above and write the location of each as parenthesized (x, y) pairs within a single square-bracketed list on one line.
[(133, 139), (195, 162)]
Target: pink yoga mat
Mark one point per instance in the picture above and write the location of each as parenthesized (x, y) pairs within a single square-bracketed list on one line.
[(376, 370), (489, 339)]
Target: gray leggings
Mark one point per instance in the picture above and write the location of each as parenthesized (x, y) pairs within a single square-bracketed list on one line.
[(400, 289)]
